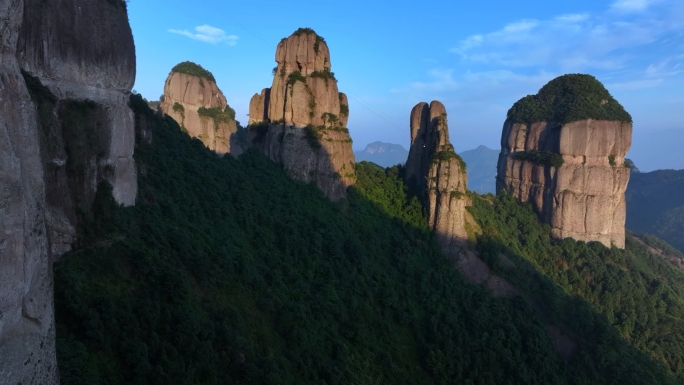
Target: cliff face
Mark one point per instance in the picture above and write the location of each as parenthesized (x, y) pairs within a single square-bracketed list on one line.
[(573, 172), (200, 108), (438, 175), (301, 120), (66, 70)]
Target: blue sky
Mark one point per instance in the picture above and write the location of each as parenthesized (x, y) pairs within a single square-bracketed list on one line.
[(478, 58)]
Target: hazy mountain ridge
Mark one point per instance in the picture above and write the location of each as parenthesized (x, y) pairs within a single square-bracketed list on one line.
[(383, 154), (481, 166), (655, 205)]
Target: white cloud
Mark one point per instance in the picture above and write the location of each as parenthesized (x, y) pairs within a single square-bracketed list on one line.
[(573, 17), (579, 42), (667, 67), (208, 34), (632, 5), (473, 87)]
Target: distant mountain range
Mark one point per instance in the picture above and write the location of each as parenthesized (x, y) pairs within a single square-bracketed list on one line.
[(481, 168), (480, 162), (383, 154), (655, 205)]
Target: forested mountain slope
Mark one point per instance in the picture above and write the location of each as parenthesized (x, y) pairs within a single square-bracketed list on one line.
[(227, 271), (655, 205)]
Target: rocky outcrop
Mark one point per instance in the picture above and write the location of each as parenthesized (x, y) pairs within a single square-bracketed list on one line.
[(192, 98), (438, 175), (563, 151), (300, 122), (66, 71)]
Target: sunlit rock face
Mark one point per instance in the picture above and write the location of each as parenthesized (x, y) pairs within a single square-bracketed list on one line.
[(438, 175), (569, 161), (201, 109), (66, 71), (300, 122)]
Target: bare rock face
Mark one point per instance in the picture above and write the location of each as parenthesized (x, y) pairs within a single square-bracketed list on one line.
[(192, 98), (563, 151), (301, 120), (258, 106), (66, 70), (438, 175)]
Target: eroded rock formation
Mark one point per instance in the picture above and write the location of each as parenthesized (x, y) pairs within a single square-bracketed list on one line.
[(438, 175), (66, 72), (563, 150), (300, 122), (193, 99)]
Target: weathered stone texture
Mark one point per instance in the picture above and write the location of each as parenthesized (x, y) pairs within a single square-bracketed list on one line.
[(328, 160), (193, 93), (437, 174), (585, 197), (301, 120), (80, 55), (258, 106)]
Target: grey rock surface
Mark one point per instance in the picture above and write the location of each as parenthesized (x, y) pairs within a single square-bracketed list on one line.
[(79, 61)]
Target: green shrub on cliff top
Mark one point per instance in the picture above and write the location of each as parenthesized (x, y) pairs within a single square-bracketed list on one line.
[(307, 31), (194, 69), (302, 31), (569, 98)]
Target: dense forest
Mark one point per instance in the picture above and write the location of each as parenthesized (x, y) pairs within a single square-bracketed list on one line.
[(227, 271), (655, 205)]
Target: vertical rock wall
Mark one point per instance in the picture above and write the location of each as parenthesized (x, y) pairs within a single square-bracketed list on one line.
[(66, 70), (437, 174), (584, 198), (300, 122)]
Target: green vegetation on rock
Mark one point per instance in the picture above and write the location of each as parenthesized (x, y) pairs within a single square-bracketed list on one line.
[(178, 108), (447, 154), (302, 31), (217, 113), (325, 74), (308, 31), (540, 157), (295, 77), (313, 136), (569, 98), (190, 68)]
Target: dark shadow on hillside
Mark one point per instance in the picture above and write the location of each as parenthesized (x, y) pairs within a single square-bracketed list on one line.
[(228, 271)]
